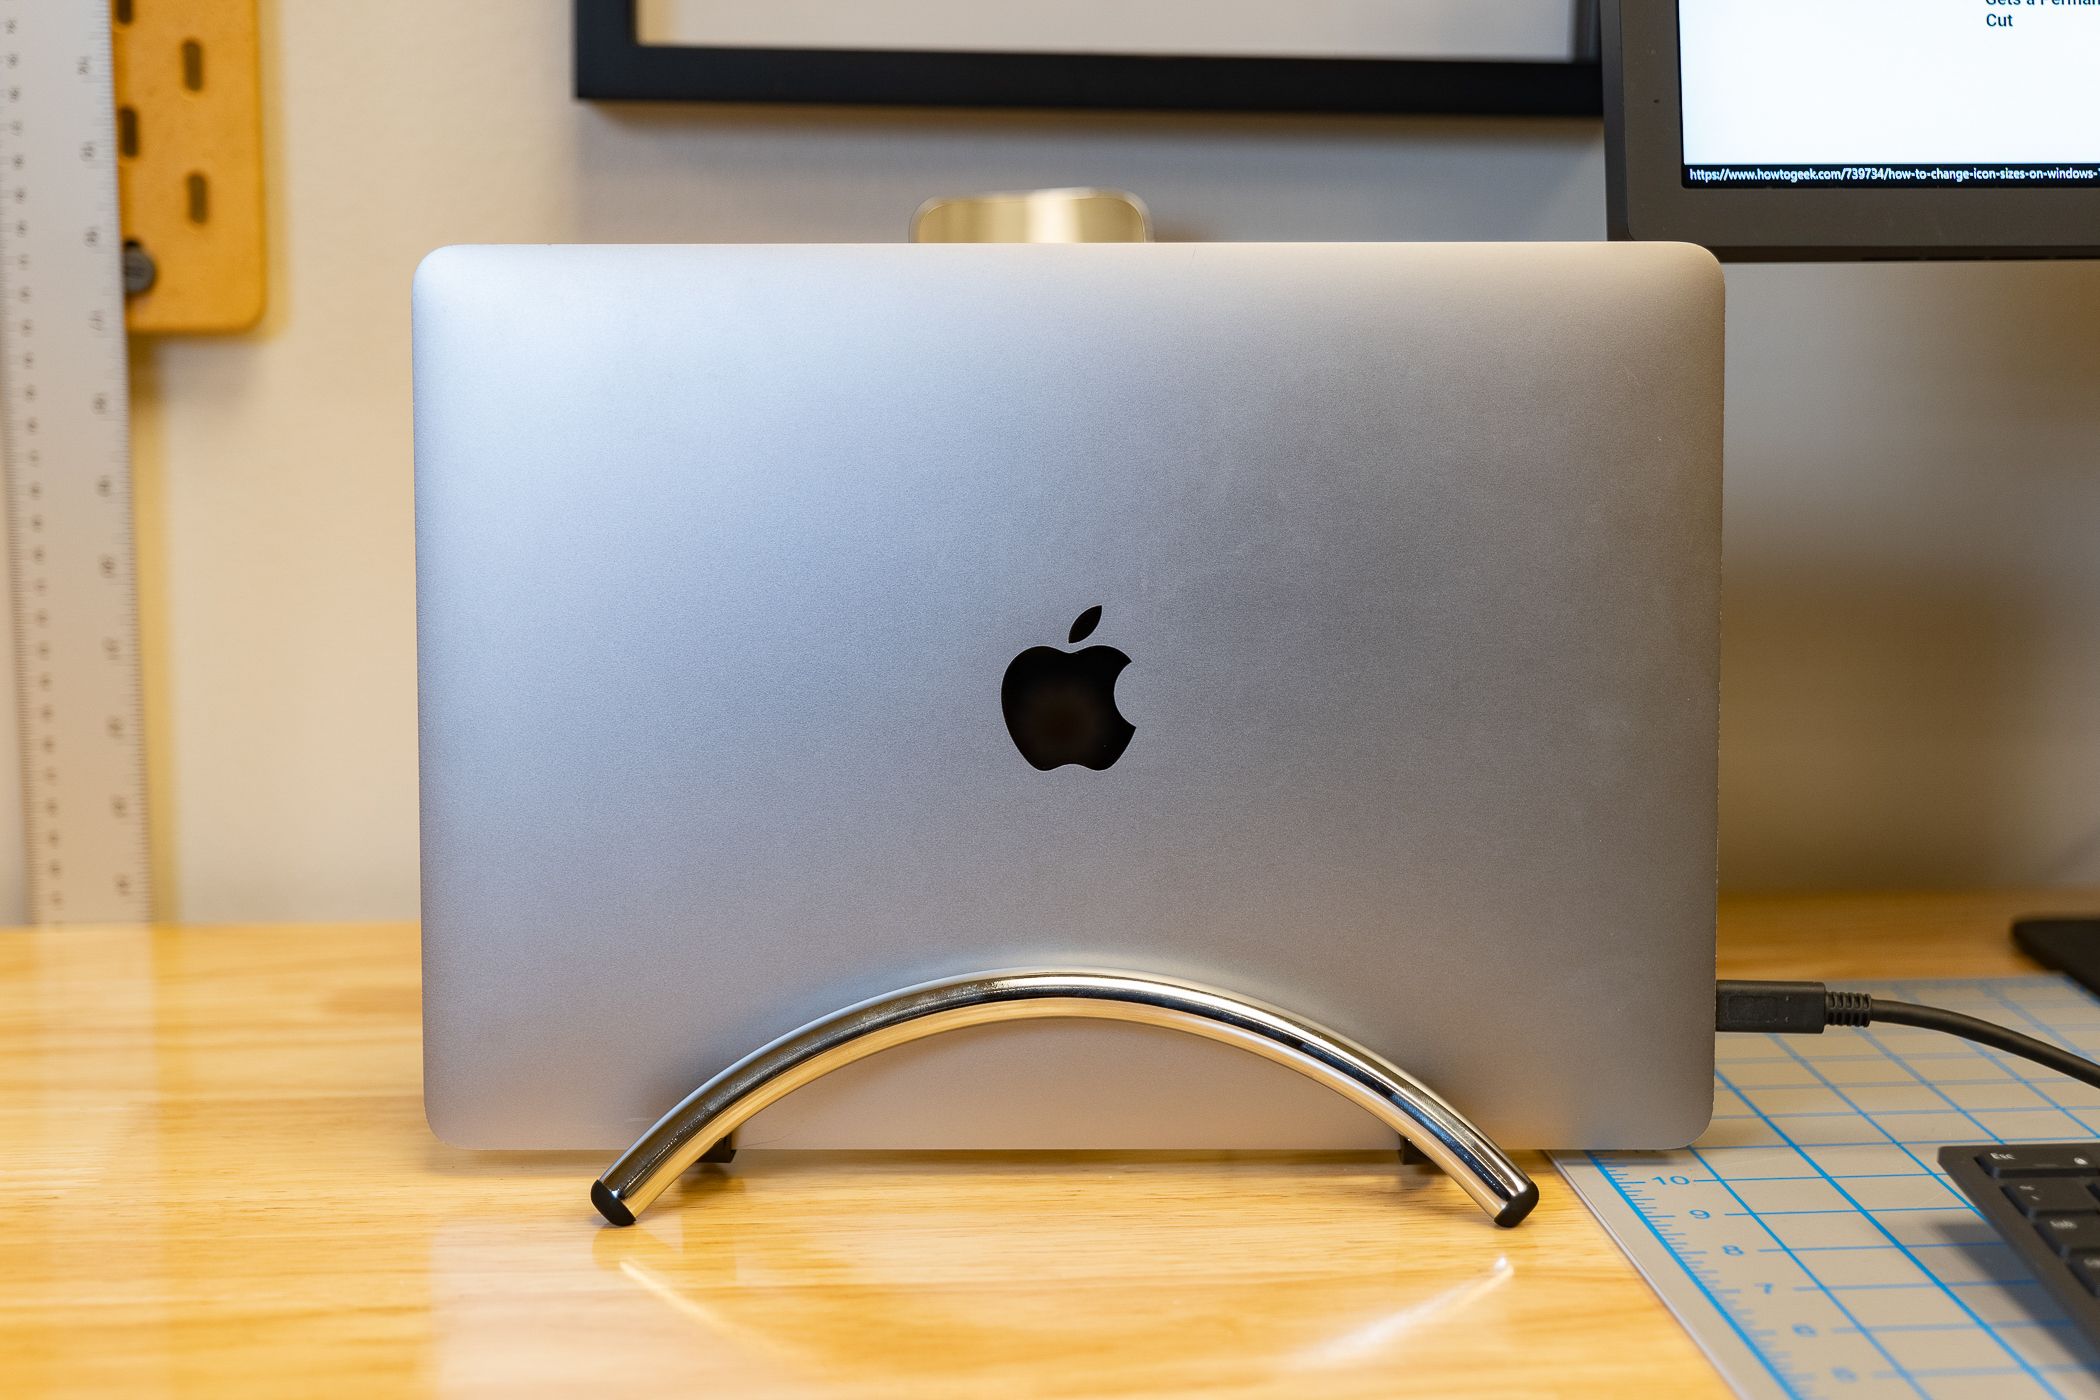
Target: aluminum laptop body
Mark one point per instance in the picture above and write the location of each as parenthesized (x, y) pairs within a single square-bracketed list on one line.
[(728, 558)]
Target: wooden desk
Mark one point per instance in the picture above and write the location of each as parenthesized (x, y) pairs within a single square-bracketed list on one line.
[(215, 1180)]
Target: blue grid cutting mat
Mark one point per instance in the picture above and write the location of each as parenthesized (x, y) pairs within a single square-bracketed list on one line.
[(1809, 1241)]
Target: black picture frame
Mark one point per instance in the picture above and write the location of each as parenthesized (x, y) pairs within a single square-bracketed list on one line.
[(613, 65)]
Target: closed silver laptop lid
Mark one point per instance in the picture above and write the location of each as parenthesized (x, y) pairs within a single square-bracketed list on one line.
[(726, 555)]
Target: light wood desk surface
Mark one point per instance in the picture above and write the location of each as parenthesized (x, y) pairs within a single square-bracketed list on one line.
[(215, 1180)]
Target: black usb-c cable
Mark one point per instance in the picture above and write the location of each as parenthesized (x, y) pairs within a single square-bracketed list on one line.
[(1808, 1008)]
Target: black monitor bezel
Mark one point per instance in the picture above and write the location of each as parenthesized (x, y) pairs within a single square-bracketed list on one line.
[(1648, 199)]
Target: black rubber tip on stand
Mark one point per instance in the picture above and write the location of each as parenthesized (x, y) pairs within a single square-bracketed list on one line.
[(609, 1205), (1519, 1206)]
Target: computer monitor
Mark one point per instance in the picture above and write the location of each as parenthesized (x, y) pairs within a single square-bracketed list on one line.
[(1835, 129)]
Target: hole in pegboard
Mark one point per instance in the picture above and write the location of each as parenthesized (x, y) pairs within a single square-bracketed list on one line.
[(199, 191), (193, 65), (123, 10), (128, 130)]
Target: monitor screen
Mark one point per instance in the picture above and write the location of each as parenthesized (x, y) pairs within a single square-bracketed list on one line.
[(1855, 128), (1890, 93)]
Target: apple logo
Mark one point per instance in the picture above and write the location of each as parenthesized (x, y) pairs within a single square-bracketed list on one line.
[(1060, 706)]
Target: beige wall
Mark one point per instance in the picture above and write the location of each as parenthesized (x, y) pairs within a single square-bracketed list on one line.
[(1913, 656)]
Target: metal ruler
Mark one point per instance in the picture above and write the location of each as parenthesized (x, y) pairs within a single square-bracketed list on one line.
[(1809, 1241), (65, 429)]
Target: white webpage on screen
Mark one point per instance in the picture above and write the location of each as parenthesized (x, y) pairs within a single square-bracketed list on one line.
[(1963, 83)]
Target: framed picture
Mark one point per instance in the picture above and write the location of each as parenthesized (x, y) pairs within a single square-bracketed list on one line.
[(1530, 57)]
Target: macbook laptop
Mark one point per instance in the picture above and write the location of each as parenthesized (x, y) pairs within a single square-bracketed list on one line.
[(1336, 625)]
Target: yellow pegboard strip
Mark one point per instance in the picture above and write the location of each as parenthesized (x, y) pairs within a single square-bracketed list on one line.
[(189, 167)]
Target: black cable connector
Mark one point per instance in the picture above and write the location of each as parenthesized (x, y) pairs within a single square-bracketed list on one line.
[(1807, 1008)]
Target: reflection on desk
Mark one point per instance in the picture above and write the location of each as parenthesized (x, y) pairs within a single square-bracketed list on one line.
[(904, 1308)]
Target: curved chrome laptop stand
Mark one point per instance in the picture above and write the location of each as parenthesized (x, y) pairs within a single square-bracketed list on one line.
[(713, 1111)]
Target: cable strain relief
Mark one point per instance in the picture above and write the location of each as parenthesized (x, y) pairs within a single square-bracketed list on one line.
[(1848, 1008)]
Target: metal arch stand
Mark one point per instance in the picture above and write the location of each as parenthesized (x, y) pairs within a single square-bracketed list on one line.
[(699, 1128)]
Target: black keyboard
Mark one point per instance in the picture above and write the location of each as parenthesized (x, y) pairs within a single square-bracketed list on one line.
[(2044, 1199)]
